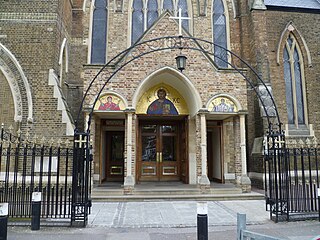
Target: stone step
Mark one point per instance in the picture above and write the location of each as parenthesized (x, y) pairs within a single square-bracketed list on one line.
[(181, 197)]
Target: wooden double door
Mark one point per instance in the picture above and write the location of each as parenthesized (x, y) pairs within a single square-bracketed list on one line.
[(162, 151)]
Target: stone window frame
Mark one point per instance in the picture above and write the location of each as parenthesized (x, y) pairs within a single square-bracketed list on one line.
[(160, 11), (305, 61), (226, 14), (92, 8), (293, 73)]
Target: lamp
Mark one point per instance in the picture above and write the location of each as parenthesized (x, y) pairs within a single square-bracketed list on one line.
[(181, 62)]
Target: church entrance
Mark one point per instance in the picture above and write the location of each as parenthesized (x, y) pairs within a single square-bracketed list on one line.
[(162, 151)]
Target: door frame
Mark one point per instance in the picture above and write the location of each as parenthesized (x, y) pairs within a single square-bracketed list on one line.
[(210, 161), (162, 120)]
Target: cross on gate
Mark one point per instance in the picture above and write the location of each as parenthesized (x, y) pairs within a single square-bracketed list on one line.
[(82, 139), (279, 141), (180, 18)]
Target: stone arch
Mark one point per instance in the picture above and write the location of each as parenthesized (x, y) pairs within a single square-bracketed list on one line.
[(176, 80), (19, 85), (290, 28)]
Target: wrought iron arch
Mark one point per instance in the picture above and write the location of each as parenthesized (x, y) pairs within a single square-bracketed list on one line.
[(106, 73)]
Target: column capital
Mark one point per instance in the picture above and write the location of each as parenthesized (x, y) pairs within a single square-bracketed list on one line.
[(130, 110), (203, 111)]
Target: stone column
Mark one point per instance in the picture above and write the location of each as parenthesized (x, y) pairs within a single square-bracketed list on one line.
[(244, 180), (204, 180), (129, 179)]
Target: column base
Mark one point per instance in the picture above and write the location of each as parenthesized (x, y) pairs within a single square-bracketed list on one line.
[(204, 184), (244, 183), (128, 185)]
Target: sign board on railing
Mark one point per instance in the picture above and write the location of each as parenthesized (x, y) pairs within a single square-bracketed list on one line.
[(4, 209)]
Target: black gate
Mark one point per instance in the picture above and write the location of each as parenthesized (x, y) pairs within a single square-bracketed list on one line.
[(291, 177), (29, 165)]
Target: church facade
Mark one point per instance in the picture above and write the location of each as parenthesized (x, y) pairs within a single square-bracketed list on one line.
[(152, 121)]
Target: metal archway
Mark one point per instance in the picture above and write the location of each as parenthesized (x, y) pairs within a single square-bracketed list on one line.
[(176, 42), (82, 159)]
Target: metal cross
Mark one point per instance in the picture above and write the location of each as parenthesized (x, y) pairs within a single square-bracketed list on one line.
[(180, 18), (81, 140), (279, 141)]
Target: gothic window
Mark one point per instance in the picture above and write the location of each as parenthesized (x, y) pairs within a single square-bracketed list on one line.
[(152, 13), (184, 12), (293, 65), (146, 12), (137, 20), (219, 26), (167, 5), (99, 32)]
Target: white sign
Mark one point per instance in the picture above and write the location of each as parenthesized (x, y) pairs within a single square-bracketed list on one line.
[(202, 208), (36, 197), (4, 209), (45, 164)]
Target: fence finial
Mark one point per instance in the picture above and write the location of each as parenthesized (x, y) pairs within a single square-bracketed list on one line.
[(51, 142), (315, 142), (42, 141), (10, 129)]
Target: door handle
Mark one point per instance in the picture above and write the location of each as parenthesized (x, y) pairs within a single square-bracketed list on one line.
[(157, 157), (160, 156)]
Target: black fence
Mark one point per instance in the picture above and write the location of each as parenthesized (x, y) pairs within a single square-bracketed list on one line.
[(292, 178), (30, 165)]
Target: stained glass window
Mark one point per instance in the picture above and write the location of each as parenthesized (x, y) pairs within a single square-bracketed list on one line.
[(137, 21), (146, 12), (219, 33), (293, 80), (167, 5), (99, 32), (184, 12), (152, 12)]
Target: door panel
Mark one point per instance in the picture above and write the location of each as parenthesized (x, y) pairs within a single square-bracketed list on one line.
[(159, 152), (115, 159)]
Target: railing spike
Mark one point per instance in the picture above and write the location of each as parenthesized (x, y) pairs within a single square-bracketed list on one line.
[(42, 141)]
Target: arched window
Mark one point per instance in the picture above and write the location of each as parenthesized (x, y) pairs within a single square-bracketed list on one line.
[(152, 13), (219, 26), (137, 20), (168, 5), (292, 67), (146, 12), (184, 12), (99, 32)]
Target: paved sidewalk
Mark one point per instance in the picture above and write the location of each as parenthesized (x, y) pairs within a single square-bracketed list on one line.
[(170, 220), (174, 214)]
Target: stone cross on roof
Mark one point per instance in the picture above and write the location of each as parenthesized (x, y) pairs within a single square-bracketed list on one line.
[(180, 18)]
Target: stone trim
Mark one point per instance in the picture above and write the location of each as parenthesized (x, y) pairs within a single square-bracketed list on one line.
[(19, 74)]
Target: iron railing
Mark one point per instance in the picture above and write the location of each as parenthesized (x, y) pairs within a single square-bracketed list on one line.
[(28, 165), (292, 178)]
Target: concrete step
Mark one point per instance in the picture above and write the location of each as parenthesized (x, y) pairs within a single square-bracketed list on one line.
[(183, 197)]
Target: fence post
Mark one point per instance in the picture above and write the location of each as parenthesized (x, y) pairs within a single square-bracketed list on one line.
[(241, 224), (202, 220), (319, 202), (35, 210), (3, 221)]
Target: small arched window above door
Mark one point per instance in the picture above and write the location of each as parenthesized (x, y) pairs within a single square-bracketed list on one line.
[(293, 69)]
